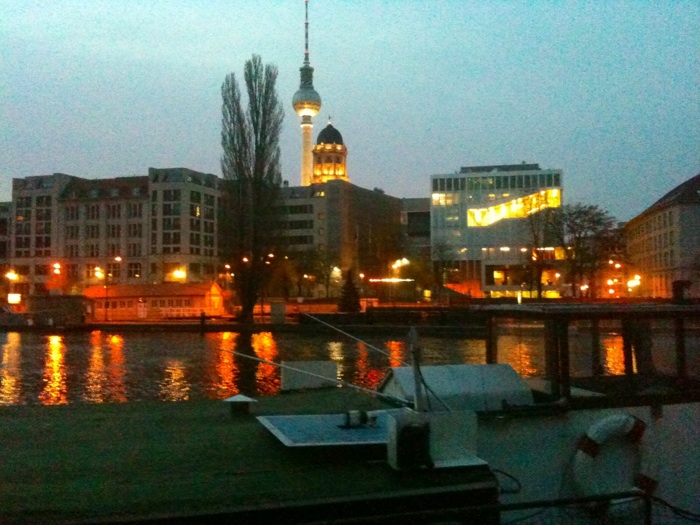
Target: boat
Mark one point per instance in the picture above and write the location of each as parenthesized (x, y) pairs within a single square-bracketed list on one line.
[(618, 444)]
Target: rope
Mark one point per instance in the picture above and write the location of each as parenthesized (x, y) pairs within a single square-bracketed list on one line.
[(386, 354), (325, 378)]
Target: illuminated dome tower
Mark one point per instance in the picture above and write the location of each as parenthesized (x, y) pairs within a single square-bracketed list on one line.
[(307, 103), (330, 156)]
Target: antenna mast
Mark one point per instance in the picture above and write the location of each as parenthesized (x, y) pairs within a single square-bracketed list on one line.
[(306, 32)]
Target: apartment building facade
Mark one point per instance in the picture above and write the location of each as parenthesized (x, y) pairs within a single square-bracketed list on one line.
[(663, 242), (66, 232)]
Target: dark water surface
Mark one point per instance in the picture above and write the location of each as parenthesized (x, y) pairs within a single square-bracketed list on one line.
[(103, 367)]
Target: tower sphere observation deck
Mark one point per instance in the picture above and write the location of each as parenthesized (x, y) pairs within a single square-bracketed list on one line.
[(306, 101)]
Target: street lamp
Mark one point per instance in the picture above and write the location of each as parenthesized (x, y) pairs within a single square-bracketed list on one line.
[(12, 298), (632, 284), (397, 267)]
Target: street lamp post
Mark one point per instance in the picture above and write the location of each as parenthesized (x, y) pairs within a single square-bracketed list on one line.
[(396, 267), (12, 277)]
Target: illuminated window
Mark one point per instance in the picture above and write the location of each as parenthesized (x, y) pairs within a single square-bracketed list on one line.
[(513, 209)]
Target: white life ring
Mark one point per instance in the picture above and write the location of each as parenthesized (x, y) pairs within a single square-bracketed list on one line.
[(619, 425)]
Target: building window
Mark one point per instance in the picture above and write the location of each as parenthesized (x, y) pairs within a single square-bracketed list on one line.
[(114, 211), (92, 211), (135, 230), (24, 202), (43, 201), (72, 231), (92, 231), (171, 196), (43, 227), (171, 209), (135, 210), (114, 231), (73, 272)]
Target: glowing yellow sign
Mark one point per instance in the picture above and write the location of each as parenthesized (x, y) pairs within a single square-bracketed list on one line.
[(514, 209)]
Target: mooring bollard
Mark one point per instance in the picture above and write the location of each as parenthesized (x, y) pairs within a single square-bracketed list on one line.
[(240, 404)]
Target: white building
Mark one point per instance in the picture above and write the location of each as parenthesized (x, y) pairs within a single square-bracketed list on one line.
[(482, 222), (663, 242)]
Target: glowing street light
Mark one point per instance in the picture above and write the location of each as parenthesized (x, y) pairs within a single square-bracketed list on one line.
[(632, 284)]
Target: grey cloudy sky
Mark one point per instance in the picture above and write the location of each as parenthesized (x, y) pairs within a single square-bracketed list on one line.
[(607, 91)]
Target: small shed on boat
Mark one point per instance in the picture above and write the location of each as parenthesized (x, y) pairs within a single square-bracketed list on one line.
[(153, 302), (462, 387)]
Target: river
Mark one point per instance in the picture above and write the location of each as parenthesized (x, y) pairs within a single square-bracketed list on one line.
[(101, 366)]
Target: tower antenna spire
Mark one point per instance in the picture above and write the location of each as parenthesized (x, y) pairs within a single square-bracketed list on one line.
[(306, 32)]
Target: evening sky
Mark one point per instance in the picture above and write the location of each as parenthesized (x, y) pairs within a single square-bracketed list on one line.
[(605, 91)]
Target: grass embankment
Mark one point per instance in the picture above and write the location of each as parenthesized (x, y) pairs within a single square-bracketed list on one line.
[(91, 462)]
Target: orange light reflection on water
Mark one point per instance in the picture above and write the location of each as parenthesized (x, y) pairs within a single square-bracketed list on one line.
[(104, 378), (174, 386), (225, 367), (55, 390), (10, 370), (364, 375), (614, 358), (396, 351), (96, 377), (267, 375), (335, 350), (117, 369)]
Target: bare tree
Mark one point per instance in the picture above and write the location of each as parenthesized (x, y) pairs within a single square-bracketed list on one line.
[(250, 164), (539, 211), (590, 236)]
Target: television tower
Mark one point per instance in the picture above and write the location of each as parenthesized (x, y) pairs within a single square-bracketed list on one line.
[(307, 104)]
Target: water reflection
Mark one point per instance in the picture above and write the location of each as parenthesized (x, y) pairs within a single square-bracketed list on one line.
[(174, 386), (396, 353), (267, 375), (10, 370), (225, 376), (101, 367), (96, 377), (117, 369), (55, 391), (104, 378), (335, 352), (613, 358), (523, 351)]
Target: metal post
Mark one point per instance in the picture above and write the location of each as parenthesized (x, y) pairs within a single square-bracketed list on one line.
[(491, 343), (414, 348), (563, 352), (551, 355)]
